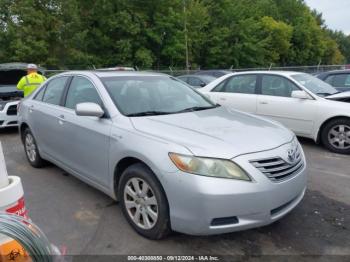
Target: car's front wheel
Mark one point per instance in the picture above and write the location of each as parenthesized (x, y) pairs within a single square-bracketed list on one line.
[(143, 202), (31, 149), (336, 136)]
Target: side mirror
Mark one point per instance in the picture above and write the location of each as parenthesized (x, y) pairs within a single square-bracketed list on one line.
[(89, 109), (202, 85), (301, 94)]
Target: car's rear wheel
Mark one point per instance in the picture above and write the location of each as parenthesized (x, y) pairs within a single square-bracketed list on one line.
[(31, 149), (336, 136), (143, 202)]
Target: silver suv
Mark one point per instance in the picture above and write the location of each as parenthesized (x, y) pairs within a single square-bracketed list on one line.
[(174, 159)]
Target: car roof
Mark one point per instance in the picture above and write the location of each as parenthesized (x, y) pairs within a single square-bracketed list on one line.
[(199, 76), (345, 71), (271, 72), (113, 73)]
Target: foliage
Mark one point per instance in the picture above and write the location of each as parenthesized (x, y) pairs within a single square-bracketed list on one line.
[(151, 33)]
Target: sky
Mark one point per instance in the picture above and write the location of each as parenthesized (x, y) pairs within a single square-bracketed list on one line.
[(336, 13)]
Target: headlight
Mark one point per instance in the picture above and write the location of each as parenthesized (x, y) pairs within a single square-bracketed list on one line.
[(208, 167)]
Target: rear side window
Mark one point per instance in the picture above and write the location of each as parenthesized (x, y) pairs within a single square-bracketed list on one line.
[(54, 90), (81, 90), (277, 86), (242, 84)]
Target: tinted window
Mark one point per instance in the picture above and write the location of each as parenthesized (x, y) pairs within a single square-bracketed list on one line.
[(81, 90), (277, 86), (341, 80), (183, 78), (40, 94), (54, 90), (329, 79), (194, 81), (243, 84)]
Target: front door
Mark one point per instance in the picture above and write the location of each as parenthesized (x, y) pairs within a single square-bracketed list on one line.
[(275, 102), (87, 139)]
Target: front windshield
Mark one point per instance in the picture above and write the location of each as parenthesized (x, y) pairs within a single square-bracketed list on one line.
[(315, 85), (153, 95)]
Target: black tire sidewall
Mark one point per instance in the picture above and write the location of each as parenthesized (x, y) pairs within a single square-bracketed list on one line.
[(39, 162), (325, 132), (162, 226)]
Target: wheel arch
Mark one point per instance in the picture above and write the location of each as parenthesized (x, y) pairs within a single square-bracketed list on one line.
[(319, 132), (123, 164), (22, 127)]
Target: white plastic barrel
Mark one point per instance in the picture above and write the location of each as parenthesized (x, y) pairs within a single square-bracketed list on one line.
[(11, 201), (11, 191), (3, 171)]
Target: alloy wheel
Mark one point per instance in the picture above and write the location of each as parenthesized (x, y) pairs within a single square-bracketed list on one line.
[(141, 203), (339, 136), (30, 147)]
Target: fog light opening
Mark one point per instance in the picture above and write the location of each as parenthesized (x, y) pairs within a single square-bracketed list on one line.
[(223, 221)]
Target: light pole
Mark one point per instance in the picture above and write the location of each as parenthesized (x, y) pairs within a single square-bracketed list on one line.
[(186, 40)]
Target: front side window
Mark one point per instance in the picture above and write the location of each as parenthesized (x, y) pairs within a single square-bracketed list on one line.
[(54, 90), (81, 90), (194, 81), (315, 85), (40, 94), (341, 80), (242, 84), (153, 95), (277, 86)]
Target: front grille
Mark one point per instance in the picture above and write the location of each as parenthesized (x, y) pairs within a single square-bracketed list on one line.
[(277, 169), (12, 110)]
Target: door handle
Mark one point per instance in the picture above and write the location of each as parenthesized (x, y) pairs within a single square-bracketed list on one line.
[(264, 103), (61, 119), (222, 98)]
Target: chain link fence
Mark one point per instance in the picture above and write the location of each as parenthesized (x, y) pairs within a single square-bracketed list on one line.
[(177, 71)]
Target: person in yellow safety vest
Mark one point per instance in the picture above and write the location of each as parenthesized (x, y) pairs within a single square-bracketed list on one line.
[(29, 83)]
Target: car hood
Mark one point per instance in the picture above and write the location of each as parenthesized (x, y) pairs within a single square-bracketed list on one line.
[(219, 132), (8, 88), (340, 96)]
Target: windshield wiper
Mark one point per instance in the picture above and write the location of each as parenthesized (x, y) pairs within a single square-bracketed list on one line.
[(149, 113), (196, 108), (328, 94)]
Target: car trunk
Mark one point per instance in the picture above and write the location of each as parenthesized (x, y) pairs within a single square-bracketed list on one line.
[(8, 83)]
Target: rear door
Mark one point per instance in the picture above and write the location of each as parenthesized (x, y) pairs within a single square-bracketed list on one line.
[(86, 143), (44, 117), (275, 102), (237, 92)]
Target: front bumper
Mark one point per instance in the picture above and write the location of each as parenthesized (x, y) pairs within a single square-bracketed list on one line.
[(8, 116), (198, 203)]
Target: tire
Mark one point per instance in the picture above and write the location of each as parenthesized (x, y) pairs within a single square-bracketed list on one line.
[(31, 149), (147, 212), (335, 136)]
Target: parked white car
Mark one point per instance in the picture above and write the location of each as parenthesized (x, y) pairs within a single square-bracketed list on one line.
[(301, 102)]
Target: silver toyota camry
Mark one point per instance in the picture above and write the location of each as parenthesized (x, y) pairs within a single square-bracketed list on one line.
[(172, 158)]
